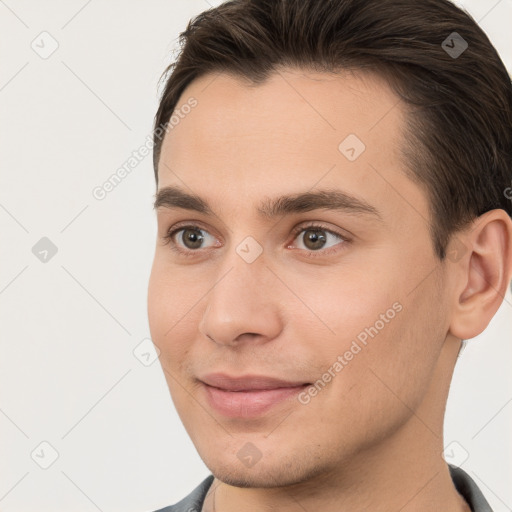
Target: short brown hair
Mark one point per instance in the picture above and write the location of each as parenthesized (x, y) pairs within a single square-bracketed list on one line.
[(459, 129)]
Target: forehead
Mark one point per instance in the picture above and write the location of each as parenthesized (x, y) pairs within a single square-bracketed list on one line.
[(290, 106), (295, 130)]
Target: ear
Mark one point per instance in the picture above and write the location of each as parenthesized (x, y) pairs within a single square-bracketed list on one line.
[(482, 272)]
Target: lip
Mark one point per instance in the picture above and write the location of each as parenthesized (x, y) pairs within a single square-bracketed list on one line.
[(247, 382), (247, 396)]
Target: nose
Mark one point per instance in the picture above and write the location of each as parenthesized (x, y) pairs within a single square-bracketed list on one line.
[(244, 305)]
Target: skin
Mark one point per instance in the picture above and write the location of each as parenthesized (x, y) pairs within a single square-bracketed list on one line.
[(372, 438)]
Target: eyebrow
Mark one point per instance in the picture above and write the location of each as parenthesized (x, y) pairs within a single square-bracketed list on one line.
[(330, 199)]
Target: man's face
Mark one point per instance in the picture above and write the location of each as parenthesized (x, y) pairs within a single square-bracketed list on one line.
[(354, 305)]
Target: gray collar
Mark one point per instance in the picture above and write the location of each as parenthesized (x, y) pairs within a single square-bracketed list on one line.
[(468, 489)]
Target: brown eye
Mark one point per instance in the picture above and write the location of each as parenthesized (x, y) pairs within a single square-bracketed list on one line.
[(314, 238), (191, 238)]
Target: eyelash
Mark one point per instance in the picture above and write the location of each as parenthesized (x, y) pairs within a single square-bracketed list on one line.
[(169, 239)]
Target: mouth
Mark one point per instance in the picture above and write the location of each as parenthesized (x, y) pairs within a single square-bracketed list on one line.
[(248, 396)]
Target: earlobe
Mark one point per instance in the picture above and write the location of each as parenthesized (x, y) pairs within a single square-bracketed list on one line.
[(485, 274)]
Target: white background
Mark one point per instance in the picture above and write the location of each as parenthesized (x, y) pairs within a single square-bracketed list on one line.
[(68, 375)]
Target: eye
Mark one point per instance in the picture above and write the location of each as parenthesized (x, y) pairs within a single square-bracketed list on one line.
[(318, 238), (187, 239), (314, 240)]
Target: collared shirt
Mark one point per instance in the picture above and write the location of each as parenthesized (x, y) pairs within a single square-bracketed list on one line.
[(464, 484)]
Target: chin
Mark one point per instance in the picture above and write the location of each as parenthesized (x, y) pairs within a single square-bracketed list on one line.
[(281, 471)]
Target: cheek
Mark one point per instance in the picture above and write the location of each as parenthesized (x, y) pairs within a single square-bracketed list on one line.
[(392, 373), (174, 299), (388, 339), (343, 304)]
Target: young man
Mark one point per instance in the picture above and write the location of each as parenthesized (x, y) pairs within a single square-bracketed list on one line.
[(333, 220)]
